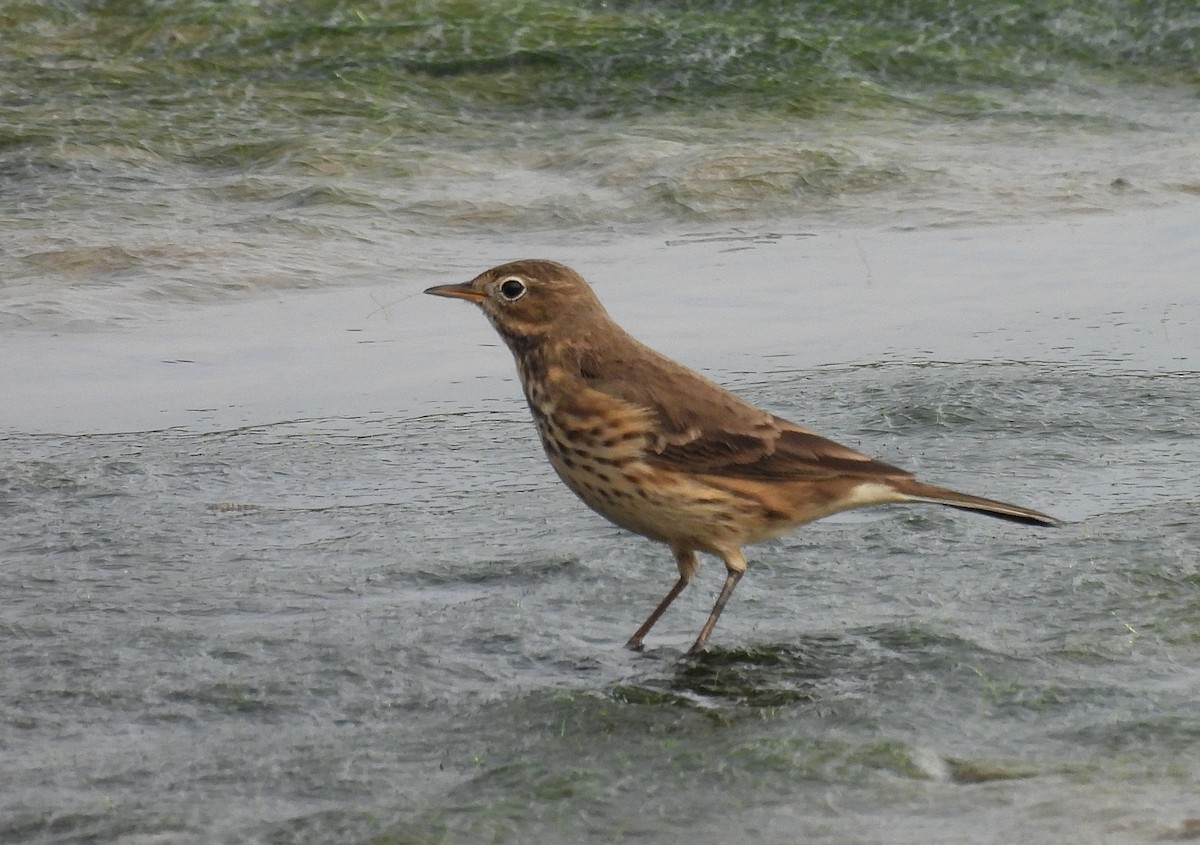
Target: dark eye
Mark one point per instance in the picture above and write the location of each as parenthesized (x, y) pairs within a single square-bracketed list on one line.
[(512, 289)]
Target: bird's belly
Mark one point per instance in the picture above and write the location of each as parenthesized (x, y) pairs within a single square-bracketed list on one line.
[(637, 500), (604, 465), (663, 506)]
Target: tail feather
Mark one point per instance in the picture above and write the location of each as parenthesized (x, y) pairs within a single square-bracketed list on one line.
[(916, 491)]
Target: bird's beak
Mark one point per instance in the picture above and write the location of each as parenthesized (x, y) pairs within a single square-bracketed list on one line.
[(463, 291)]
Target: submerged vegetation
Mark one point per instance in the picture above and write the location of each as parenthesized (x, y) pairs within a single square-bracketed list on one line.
[(169, 72), (525, 115)]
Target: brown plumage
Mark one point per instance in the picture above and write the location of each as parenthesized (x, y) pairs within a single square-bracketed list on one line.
[(662, 451)]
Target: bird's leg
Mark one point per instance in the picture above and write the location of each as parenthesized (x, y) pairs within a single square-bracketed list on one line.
[(685, 559), (735, 566), (635, 642)]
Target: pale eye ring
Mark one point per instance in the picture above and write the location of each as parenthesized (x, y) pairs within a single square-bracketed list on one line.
[(512, 289)]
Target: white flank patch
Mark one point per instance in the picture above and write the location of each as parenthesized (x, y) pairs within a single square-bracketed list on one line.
[(874, 493)]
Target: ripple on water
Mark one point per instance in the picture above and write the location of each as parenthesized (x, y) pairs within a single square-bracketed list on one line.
[(385, 631)]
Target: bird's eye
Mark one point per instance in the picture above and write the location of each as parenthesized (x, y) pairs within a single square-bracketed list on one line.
[(512, 289)]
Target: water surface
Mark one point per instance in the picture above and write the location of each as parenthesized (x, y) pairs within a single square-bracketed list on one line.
[(281, 561)]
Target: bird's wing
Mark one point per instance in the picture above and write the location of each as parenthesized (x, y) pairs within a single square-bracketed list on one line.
[(703, 428), (776, 449)]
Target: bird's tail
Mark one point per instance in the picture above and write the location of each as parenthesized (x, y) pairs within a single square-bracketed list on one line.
[(916, 491)]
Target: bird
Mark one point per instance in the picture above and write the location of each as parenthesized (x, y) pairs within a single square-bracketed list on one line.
[(664, 452)]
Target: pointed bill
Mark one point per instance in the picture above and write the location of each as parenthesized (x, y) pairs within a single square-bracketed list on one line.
[(463, 291)]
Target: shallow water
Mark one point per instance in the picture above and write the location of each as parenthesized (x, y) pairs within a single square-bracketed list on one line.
[(159, 156), (397, 625), (403, 629), (282, 562)]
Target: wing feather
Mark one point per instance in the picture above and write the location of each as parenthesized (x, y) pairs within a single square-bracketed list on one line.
[(703, 428), (779, 451)]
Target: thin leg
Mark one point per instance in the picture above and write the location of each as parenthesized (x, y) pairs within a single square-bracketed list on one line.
[(685, 559), (635, 642), (731, 581)]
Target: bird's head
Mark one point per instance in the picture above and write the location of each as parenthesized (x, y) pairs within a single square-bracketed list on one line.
[(531, 298)]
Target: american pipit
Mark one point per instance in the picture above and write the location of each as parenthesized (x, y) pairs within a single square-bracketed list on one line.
[(662, 451)]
